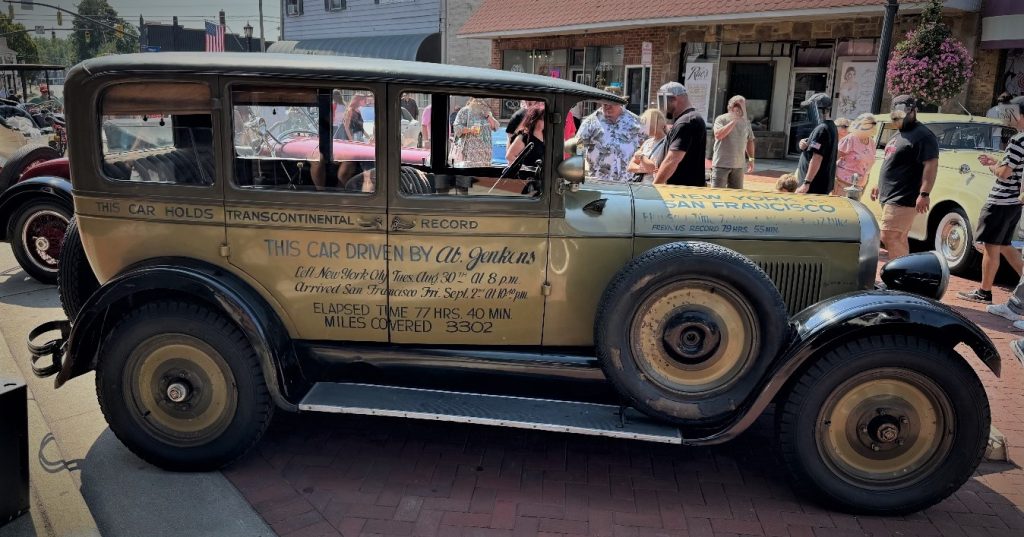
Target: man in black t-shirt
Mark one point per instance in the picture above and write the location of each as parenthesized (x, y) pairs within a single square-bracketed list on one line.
[(817, 168), (907, 175), (687, 141)]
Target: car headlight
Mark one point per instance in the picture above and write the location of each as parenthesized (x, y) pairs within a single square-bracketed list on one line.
[(925, 274), (870, 242)]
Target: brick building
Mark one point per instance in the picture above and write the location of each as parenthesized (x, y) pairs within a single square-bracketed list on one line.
[(775, 54)]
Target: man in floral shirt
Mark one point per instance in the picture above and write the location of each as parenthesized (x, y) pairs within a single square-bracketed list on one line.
[(611, 136)]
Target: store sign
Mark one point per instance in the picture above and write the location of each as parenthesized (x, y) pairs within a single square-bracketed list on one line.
[(856, 87), (646, 51), (698, 86)]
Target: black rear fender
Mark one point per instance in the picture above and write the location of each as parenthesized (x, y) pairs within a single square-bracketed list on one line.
[(47, 188), (190, 280)]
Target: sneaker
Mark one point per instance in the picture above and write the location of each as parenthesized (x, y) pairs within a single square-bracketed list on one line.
[(1017, 346), (1004, 311), (977, 295)]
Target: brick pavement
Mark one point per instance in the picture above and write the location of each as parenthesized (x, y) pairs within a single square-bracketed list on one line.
[(317, 475)]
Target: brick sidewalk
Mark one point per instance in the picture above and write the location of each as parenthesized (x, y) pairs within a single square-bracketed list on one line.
[(335, 475)]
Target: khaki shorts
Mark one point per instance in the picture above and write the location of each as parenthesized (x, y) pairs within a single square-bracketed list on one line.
[(897, 218)]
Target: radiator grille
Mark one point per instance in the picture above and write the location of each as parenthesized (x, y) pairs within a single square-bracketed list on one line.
[(798, 281)]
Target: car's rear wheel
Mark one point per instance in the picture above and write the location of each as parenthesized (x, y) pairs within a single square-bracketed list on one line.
[(181, 386), (21, 160), (76, 281), (36, 233), (953, 238), (686, 331), (884, 425)]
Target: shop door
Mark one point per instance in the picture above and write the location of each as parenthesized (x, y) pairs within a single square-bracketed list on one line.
[(804, 85), (638, 88)]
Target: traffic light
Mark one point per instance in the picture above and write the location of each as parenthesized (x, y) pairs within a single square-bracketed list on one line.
[(60, 18), (88, 35)]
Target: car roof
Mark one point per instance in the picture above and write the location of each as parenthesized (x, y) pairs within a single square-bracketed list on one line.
[(319, 67), (946, 118)]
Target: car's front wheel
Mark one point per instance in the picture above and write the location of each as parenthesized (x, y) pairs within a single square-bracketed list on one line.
[(953, 238), (884, 425), (36, 233), (181, 387)]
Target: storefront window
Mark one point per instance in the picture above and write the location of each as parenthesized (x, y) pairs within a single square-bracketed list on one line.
[(748, 79), (517, 61), (814, 56), (551, 63)]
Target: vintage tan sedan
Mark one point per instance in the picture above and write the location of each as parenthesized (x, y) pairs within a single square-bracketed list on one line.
[(255, 262)]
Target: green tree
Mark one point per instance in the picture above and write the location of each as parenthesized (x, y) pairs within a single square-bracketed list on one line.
[(56, 51), (19, 40), (92, 39)]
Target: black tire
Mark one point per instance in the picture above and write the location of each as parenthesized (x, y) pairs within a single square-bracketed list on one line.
[(687, 330), (21, 160), (952, 235), (75, 279), (218, 368), (36, 234), (414, 182), (871, 380)]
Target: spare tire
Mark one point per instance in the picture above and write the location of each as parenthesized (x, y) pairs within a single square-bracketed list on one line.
[(687, 330), (412, 181), (24, 157), (75, 279)]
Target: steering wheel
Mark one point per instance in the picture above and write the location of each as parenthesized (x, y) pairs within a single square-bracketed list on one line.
[(517, 163)]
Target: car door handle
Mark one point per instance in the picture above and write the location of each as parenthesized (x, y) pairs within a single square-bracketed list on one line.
[(401, 224), (370, 222)]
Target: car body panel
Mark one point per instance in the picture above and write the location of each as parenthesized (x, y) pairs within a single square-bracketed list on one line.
[(58, 167), (53, 188)]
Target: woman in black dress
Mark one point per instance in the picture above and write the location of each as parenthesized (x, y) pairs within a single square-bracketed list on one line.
[(531, 130)]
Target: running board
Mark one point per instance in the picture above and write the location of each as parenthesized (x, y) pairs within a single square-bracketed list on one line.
[(500, 410)]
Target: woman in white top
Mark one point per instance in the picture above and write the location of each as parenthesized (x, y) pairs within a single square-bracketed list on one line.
[(646, 160)]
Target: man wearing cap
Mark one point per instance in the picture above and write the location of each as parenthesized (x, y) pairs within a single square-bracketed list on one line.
[(687, 141), (611, 135), (907, 175), (816, 170)]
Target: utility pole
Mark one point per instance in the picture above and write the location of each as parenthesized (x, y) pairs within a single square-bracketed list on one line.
[(263, 42), (884, 48)]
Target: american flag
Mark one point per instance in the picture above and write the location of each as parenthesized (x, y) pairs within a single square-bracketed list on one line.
[(214, 37)]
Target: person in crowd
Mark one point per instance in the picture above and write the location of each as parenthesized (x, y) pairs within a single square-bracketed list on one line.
[(530, 131), (409, 104), (907, 175), (611, 136), (842, 127), (352, 119), (517, 118), (645, 162), (687, 141), (425, 125), (1003, 111), (734, 146), (472, 129), (816, 169), (856, 155), (786, 184), (1000, 216)]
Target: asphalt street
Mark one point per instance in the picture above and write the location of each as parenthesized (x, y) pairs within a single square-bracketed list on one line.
[(74, 456)]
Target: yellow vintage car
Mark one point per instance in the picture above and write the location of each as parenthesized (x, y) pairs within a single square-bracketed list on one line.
[(961, 187), (260, 258)]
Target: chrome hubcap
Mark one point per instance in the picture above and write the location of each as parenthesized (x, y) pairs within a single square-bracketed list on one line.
[(952, 239)]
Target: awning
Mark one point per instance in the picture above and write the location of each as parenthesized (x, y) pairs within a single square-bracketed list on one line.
[(414, 47), (1001, 24)]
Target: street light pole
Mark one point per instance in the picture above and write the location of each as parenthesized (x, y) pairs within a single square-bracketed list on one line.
[(263, 42), (884, 48), (247, 30)]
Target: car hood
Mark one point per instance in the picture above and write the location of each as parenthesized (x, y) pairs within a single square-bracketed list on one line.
[(703, 213)]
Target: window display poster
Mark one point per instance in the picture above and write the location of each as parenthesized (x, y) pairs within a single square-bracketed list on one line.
[(856, 84), (698, 86)]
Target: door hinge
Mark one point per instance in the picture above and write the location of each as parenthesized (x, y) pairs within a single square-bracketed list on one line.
[(545, 290), (225, 250)]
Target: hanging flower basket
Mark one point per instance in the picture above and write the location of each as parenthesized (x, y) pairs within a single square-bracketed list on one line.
[(930, 63)]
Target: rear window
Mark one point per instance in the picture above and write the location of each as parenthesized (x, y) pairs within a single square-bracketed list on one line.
[(158, 133), (969, 136)]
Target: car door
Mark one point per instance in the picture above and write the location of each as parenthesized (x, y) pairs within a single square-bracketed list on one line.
[(305, 213), (469, 249)]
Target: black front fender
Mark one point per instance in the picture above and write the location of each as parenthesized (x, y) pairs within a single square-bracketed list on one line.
[(55, 188), (831, 322), (190, 279)]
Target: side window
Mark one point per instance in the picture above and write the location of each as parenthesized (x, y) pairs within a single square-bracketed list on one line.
[(158, 133), (457, 145), (280, 142)]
